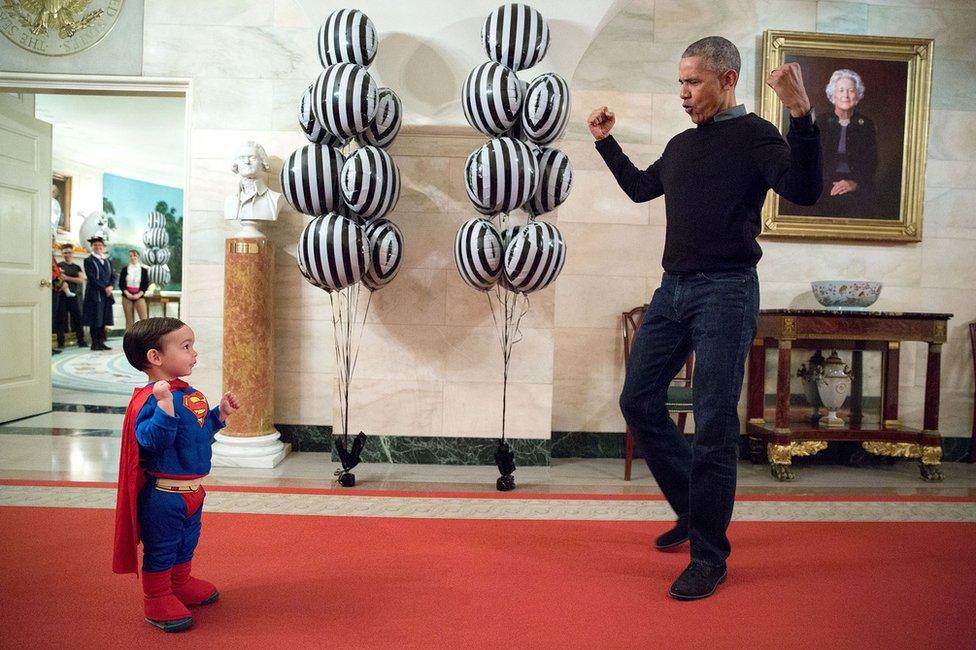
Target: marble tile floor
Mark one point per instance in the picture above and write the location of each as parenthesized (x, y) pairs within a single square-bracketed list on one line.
[(71, 396), (382, 505), (94, 458), (83, 447)]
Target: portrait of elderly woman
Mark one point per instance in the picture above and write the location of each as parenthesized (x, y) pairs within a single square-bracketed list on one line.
[(870, 97), (860, 137), (850, 149)]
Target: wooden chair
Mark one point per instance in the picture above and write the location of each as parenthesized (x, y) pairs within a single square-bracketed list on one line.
[(679, 393), (972, 436)]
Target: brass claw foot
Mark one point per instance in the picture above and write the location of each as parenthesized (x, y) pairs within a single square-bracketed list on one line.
[(931, 473), (782, 472)]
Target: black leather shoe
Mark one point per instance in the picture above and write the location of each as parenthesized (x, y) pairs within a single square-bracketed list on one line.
[(100, 346), (697, 581), (674, 537)]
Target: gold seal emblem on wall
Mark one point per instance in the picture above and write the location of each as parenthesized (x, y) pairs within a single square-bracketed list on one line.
[(58, 27)]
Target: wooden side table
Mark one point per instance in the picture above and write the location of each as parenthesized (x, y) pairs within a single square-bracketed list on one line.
[(786, 329), (163, 300)]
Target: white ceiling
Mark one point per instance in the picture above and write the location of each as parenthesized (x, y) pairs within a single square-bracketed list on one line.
[(135, 137)]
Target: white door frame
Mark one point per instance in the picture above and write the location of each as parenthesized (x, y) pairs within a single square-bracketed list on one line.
[(76, 84)]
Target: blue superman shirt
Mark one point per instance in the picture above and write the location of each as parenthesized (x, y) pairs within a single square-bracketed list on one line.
[(177, 446)]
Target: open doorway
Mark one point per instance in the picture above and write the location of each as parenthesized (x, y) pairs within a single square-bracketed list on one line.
[(118, 171)]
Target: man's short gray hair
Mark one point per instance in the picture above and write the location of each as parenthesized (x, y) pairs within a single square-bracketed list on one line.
[(719, 54)]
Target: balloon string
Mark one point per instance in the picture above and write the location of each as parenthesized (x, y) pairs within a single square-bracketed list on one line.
[(348, 364), (336, 302), (362, 328)]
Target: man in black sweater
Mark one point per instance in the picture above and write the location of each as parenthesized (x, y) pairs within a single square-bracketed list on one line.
[(714, 179)]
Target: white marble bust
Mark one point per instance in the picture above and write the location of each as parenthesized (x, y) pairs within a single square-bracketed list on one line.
[(254, 200)]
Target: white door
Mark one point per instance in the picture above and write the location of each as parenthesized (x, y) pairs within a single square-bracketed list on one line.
[(25, 263)]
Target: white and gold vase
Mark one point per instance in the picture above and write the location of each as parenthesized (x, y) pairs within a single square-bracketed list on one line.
[(834, 386)]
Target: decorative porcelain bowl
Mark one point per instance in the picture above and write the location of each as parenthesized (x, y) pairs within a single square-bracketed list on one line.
[(846, 294)]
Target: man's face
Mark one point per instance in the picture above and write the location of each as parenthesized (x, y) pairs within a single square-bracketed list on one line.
[(248, 163), (98, 247), (67, 255), (702, 90)]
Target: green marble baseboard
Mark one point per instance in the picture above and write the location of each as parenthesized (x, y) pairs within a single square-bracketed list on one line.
[(422, 450), (430, 450), (589, 444), (306, 437)]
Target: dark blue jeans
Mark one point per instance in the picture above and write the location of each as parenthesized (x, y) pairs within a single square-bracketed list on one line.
[(714, 314)]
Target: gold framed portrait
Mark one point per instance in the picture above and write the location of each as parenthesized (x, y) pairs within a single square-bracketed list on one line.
[(871, 97), (61, 201)]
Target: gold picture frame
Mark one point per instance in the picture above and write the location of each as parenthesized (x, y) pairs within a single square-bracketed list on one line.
[(62, 195), (888, 200)]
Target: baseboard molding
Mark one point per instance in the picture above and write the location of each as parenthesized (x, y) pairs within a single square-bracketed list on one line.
[(423, 450)]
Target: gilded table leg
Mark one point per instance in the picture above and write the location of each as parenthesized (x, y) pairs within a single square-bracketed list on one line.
[(929, 456), (931, 463), (781, 456), (755, 403)]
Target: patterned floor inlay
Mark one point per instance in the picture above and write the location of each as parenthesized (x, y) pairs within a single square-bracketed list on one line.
[(98, 372), (502, 508)]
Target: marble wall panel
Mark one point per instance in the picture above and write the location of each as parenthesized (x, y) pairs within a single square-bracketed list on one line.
[(433, 353)]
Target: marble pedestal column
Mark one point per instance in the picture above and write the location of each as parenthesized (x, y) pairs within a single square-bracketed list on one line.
[(249, 439)]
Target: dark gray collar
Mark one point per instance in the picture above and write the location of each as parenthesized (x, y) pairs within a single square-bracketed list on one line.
[(735, 111)]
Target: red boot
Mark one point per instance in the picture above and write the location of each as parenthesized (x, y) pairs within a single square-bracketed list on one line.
[(162, 608), (192, 591)]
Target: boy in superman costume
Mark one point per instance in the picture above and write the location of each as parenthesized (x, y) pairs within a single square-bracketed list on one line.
[(166, 437)]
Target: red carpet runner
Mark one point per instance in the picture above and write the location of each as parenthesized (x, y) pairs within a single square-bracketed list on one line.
[(300, 581)]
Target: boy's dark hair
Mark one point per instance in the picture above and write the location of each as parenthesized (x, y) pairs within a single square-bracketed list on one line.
[(66, 247), (132, 250), (146, 335)]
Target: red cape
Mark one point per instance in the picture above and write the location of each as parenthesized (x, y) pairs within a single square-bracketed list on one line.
[(125, 558)]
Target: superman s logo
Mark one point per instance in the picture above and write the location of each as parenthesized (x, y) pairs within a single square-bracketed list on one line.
[(197, 404)]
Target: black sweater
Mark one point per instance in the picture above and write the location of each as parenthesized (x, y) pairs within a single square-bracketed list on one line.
[(714, 179)]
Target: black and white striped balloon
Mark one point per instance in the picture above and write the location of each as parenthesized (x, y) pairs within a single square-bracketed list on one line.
[(310, 180), (307, 275), (491, 98), (385, 253), (535, 257), (470, 187), (347, 36), (385, 126), (516, 36), (516, 131), (478, 253), (344, 99), (555, 182), (508, 235), (370, 182), (310, 126), (156, 256), (159, 274), (545, 111), (500, 175), (155, 237), (156, 220), (333, 252)]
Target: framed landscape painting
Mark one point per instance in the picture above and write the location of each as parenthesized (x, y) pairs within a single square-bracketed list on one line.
[(871, 96)]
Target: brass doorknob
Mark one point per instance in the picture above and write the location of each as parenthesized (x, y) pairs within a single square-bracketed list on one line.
[(45, 283)]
